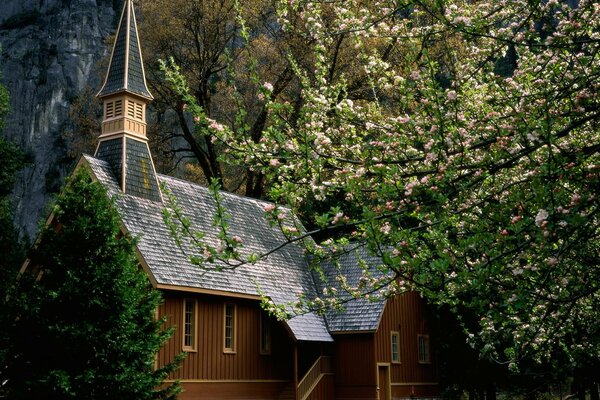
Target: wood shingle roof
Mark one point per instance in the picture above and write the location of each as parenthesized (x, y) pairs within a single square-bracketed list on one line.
[(281, 276)]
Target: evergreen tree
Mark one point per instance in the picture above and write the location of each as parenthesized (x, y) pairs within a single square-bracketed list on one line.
[(85, 324), (12, 159)]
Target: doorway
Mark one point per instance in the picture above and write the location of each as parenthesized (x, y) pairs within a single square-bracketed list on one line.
[(383, 382)]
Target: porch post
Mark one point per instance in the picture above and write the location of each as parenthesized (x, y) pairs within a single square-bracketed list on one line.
[(296, 370)]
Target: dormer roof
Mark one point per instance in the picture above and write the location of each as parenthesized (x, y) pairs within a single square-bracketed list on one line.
[(126, 67)]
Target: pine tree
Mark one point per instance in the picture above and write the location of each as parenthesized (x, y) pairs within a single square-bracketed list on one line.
[(84, 325)]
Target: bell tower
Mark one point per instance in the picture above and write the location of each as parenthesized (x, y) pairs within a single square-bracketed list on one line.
[(125, 95)]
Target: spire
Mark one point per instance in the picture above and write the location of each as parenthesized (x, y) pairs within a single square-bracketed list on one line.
[(126, 68), (123, 143)]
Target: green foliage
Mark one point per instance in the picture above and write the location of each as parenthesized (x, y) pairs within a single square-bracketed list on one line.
[(12, 159), (4, 105), (82, 318), (471, 166)]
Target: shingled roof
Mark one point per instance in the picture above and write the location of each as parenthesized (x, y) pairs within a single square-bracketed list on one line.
[(281, 276), (126, 70), (360, 314)]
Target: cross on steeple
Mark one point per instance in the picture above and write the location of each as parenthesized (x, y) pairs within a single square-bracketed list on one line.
[(125, 95)]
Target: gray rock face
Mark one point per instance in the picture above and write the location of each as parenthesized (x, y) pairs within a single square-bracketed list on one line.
[(49, 52)]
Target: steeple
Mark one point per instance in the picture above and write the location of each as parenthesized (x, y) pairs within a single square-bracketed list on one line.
[(126, 69), (125, 95)]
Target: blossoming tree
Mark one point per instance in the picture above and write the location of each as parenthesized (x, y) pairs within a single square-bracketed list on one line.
[(470, 166)]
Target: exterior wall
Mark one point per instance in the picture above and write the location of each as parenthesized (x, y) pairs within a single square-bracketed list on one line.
[(358, 358), (324, 390), (209, 372), (407, 315), (355, 367)]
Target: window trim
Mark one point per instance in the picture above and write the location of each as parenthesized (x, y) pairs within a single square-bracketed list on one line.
[(231, 349), (395, 334), (265, 327), (194, 346), (427, 351)]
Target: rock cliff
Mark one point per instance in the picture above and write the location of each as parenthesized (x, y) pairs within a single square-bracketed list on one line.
[(49, 52)]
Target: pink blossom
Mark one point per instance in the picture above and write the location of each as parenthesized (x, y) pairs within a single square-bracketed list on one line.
[(237, 239), (269, 207), (452, 95), (385, 228), (274, 162), (212, 124), (541, 217), (268, 86)]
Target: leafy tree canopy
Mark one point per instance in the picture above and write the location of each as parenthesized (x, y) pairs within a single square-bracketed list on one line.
[(81, 321), (470, 164)]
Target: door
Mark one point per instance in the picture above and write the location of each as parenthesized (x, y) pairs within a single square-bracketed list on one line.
[(383, 382)]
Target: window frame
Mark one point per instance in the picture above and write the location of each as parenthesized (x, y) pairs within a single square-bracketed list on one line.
[(395, 334), (193, 347), (266, 332), (232, 348), (423, 349)]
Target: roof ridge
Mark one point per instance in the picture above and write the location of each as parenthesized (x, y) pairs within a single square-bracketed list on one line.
[(224, 192)]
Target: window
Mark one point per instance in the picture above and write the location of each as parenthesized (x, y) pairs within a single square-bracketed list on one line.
[(395, 347), (190, 327), (229, 329), (265, 334), (423, 348)]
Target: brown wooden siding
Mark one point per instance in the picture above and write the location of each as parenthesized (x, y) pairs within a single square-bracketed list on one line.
[(407, 315), (209, 361), (324, 389), (354, 366)]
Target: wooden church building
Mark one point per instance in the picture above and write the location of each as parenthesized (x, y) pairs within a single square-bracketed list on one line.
[(373, 350)]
